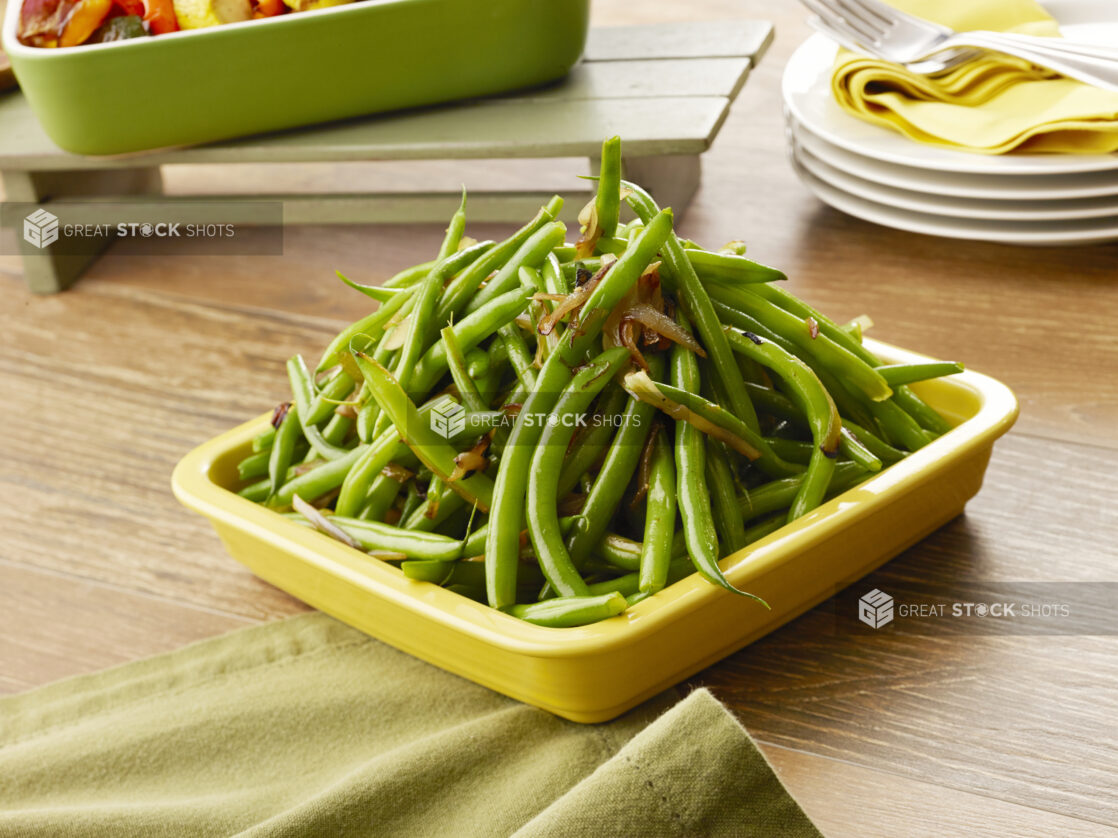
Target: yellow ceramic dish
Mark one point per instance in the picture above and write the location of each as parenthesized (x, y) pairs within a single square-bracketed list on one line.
[(597, 672)]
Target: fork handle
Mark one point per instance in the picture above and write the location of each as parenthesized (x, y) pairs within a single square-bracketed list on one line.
[(1093, 69)]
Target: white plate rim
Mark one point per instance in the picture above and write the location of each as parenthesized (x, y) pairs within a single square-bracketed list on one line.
[(1021, 233), (955, 184), (944, 206)]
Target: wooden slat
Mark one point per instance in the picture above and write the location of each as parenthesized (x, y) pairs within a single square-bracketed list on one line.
[(647, 78), (493, 128), (684, 39)]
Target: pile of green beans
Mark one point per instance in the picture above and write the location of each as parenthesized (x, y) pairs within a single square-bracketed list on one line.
[(562, 430)]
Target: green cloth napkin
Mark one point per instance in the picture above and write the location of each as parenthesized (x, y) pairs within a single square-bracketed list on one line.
[(306, 727)]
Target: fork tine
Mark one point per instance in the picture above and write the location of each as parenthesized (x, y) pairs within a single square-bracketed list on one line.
[(837, 25), (833, 14), (855, 10), (888, 14), (884, 16)]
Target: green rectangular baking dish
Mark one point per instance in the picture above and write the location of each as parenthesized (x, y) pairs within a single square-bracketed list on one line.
[(229, 81)]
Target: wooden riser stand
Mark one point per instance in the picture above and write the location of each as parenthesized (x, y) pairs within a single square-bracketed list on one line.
[(664, 89)]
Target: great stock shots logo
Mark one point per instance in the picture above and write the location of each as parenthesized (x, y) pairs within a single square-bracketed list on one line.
[(875, 609), (40, 229), (448, 419)]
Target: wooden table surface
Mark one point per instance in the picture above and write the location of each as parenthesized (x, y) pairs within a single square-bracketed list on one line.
[(106, 386)]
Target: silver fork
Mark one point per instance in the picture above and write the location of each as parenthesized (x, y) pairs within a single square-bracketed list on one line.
[(878, 29)]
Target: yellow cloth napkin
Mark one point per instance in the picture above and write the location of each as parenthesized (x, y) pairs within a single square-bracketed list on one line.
[(994, 105)]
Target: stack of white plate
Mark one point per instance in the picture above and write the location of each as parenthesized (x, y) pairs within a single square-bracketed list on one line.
[(881, 176)]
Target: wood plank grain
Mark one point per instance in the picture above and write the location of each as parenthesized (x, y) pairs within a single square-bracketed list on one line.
[(99, 409), (106, 385), (662, 77), (55, 626), (685, 39), (851, 801), (1024, 719)]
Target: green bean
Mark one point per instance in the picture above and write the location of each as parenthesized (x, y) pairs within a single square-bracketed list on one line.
[(902, 395), (337, 429), (412, 500), (436, 572), (470, 331), (415, 545), (467, 389), (723, 498), (519, 355), (372, 325), (283, 449), (608, 200), (699, 532), (382, 495), (441, 502), (617, 470), (793, 450), (355, 486), (873, 443), (589, 446), (318, 481), (712, 420), (531, 254), (459, 291), (914, 406), (302, 389), (848, 404), (817, 406), (772, 402), (623, 552), (850, 446), (502, 545), (422, 320), (542, 497), (764, 528), (433, 451), (899, 426), (254, 465), (257, 492), (659, 519), (835, 357), (468, 574), (710, 267), (380, 293), (531, 278), (263, 440), (697, 305), (629, 583), (554, 281), (477, 363), (326, 400), (727, 267), (778, 495), (409, 276), (897, 374), (568, 612)]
